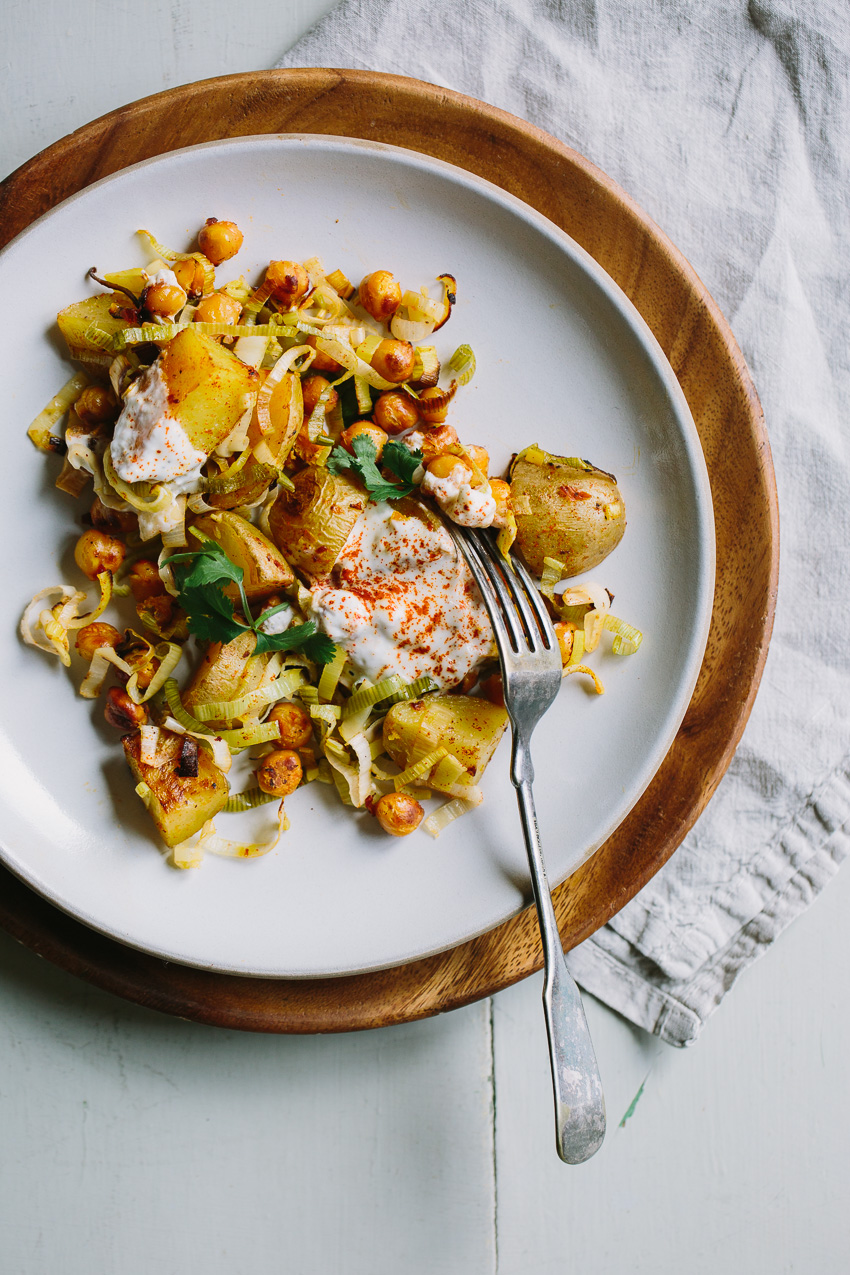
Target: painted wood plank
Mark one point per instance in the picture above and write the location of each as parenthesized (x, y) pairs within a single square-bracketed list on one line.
[(734, 1156)]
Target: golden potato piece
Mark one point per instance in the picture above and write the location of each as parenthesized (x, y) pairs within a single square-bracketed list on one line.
[(266, 570), (565, 509), (208, 387), (468, 728), (226, 672), (311, 524), (178, 806), (75, 320)]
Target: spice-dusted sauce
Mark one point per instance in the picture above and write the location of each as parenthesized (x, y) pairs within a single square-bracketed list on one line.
[(149, 445), (402, 600)]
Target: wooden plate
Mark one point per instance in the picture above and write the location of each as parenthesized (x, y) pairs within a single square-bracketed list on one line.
[(692, 332)]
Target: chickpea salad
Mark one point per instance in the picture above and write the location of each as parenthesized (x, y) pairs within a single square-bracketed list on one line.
[(271, 465)]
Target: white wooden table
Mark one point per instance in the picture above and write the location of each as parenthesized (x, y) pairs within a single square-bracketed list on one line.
[(134, 1143)]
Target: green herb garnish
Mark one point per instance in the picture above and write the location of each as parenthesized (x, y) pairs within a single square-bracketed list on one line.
[(201, 575), (399, 459)]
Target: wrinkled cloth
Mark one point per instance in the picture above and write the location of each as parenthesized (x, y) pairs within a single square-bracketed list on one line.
[(730, 124)]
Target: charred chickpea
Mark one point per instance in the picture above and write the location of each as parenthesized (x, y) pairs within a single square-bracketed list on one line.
[(121, 712), (294, 723), (190, 275), (380, 295), (219, 240), (313, 387), (564, 634), (144, 580), (396, 411), (398, 814), (435, 441), (218, 307), (433, 406), (93, 636), (164, 299), (289, 281), (95, 552), (279, 773), (442, 466), (160, 607), (366, 428), (501, 493), (393, 360), (96, 405), (323, 362)]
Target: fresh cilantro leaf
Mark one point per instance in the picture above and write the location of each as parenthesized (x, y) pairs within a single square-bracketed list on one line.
[(210, 564), (398, 458), (210, 614), (306, 637)]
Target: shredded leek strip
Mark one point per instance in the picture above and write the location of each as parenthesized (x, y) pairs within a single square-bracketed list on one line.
[(156, 501), (357, 777), (447, 774), (33, 623), (213, 743), (103, 659), (168, 653), (419, 768), (309, 695), (43, 428), (447, 814), (331, 674), (507, 534), (174, 702), (463, 362), (578, 647), (553, 572), (371, 695), (584, 668), (228, 710), (168, 255), (345, 355), (627, 639), (248, 736), (148, 740), (327, 716), (247, 800), (104, 579), (255, 302), (422, 686)]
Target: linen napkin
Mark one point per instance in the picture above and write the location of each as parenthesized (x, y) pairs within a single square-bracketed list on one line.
[(729, 122)]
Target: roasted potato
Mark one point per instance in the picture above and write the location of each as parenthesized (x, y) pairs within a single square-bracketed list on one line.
[(468, 728), (311, 524), (75, 320), (565, 509), (208, 387), (178, 806), (226, 672), (266, 570)]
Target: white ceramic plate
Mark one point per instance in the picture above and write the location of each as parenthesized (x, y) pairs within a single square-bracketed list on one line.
[(564, 360)]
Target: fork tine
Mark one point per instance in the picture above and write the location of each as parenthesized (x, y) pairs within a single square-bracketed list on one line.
[(538, 605), (510, 613), (519, 589), (497, 617)]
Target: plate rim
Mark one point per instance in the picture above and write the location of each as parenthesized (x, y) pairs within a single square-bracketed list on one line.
[(326, 81)]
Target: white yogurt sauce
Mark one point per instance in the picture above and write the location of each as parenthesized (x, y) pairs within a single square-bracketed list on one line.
[(466, 505), (163, 275), (278, 623), (149, 445), (402, 600)]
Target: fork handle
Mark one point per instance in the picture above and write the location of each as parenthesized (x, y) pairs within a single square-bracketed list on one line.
[(579, 1102)]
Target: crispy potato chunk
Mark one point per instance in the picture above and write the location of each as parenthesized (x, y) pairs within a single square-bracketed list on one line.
[(178, 806)]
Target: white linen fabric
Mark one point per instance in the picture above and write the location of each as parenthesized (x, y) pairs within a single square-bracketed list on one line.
[(729, 122)]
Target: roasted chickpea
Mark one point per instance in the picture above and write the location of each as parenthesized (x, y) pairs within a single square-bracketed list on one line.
[(396, 411), (121, 712), (279, 773), (219, 240), (144, 580), (96, 405), (501, 493), (433, 406), (323, 362), (564, 633), (295, 724), (313, 387), (442, 466), (374, 432), (160, 607), (431, 442), (398, 814), (218, 307), (289, 281), (190, 275), (480, 456), (164, 299), (393, 360), (111, 520), (95, 552), (380, 295), (93, 636), (493, 690)]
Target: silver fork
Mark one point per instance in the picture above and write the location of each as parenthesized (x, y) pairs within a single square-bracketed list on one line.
[(531, 673)]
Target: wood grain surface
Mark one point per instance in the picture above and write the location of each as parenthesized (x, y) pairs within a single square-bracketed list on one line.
[(702, 351)]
